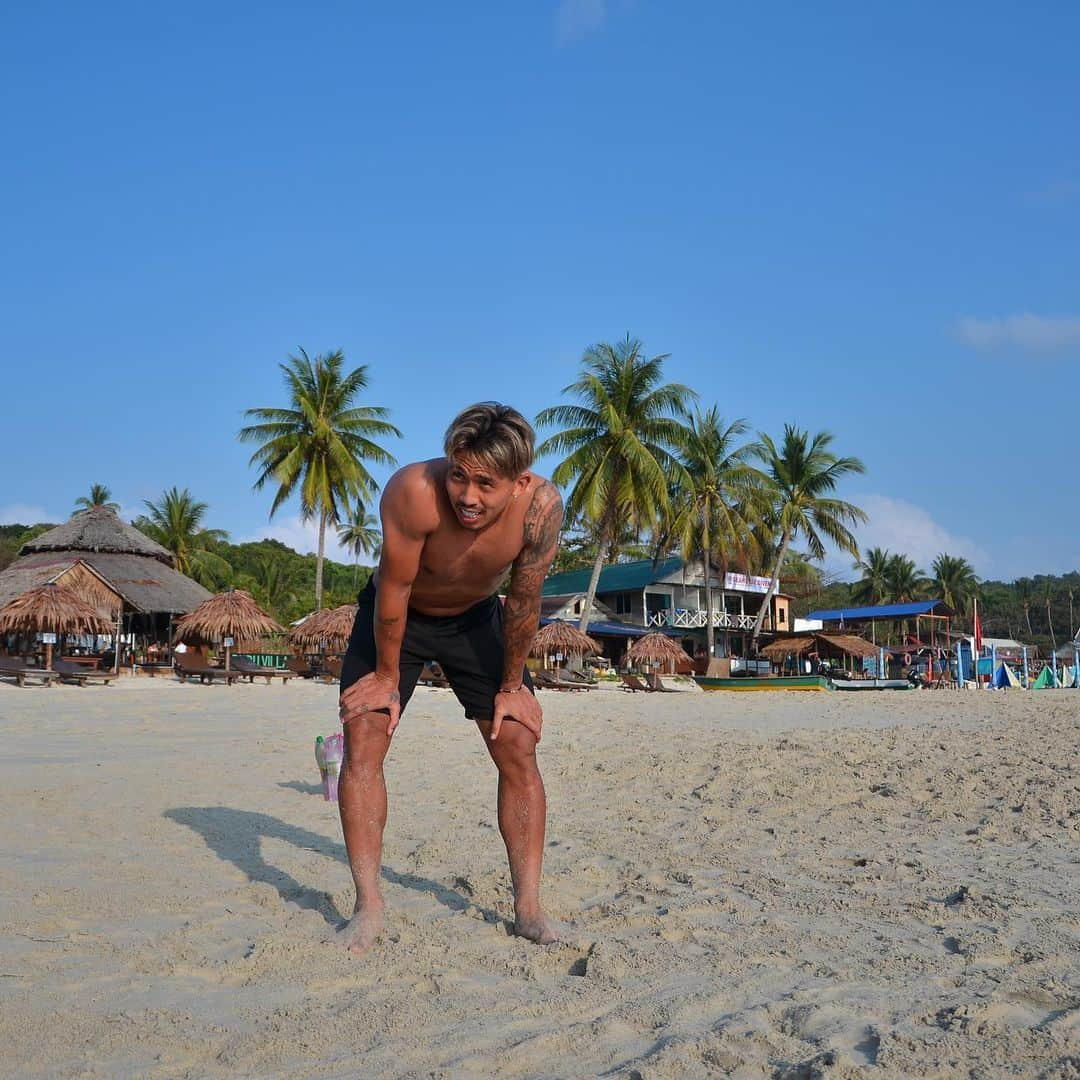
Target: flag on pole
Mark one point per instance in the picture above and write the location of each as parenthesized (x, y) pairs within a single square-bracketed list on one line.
[(977, 627)]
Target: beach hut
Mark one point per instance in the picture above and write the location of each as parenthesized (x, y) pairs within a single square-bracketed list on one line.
[(128, 578), (657, 649), (559, 638), (326, 630), (51, 610), (226, 618)]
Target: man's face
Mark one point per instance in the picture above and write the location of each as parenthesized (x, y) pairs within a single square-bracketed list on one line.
[(478, 493)]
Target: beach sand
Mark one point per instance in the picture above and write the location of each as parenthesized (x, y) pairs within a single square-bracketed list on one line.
[(789, 885)]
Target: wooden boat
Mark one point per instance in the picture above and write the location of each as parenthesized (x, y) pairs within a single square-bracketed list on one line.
[(871, 684), (769, 682)]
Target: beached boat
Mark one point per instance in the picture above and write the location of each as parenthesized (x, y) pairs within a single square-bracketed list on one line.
[(770, 682), (871, 684)]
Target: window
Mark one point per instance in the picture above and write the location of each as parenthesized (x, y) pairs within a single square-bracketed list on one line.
[(781, 614), (624, 604)]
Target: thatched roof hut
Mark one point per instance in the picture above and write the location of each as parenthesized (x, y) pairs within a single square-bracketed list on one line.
[(100, 530), (559, 636), (51, 608), (657, 649), (108, 563), (329, 628), (232, 614)]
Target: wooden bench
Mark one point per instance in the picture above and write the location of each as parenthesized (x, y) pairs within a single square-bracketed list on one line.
[(13, 668), (75, 673), (251, 671)]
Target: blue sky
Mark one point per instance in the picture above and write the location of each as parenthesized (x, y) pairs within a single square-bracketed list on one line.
[(859, 217)]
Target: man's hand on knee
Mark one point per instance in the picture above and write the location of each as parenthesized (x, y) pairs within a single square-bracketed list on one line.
[(375, 692), (519, 705)]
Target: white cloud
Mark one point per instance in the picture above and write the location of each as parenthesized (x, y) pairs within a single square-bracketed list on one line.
[(301, 536), (576, 18), (1032, 332), (23, 514), (906, 529)]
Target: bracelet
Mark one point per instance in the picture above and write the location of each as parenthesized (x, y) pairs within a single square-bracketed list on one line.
[(516, 690)]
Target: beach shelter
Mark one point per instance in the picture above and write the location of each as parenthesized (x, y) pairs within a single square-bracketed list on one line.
[(1046, 680), (562, 638), (1005, 678), (51, 610), (657, 649), (226, 617), (1067, 678), (327, 629)]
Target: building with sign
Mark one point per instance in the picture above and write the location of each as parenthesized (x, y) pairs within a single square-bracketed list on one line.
[(669, 595)]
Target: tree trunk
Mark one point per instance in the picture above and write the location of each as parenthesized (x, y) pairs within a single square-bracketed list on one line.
[(1027, 619), (709, 635), (319, 560), (774, 584), (593, 582), (1050, 622)]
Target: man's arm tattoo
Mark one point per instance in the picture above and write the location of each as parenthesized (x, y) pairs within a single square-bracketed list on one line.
[(543, 520)]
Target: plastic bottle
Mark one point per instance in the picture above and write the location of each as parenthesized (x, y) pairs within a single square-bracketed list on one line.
[(320, 756), (334, 751)]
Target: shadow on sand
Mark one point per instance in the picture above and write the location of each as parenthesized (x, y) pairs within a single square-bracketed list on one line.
[(236, 835)]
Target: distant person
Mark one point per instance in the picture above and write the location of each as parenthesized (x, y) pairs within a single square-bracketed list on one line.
[(452, 528)]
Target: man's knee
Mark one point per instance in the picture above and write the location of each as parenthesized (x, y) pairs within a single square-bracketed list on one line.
[(366, 741), (514, 751)]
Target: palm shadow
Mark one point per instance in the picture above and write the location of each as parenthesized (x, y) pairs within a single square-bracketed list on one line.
[(235, 835)]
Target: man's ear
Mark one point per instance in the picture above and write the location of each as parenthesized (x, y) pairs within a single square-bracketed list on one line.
[(521, 484)]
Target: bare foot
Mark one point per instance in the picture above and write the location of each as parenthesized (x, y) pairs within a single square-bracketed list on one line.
[(360, 932), (539, 929)]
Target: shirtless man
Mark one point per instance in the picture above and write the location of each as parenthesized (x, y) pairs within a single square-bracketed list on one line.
[(452, 528)]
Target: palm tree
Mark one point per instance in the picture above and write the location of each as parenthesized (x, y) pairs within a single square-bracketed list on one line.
[(713, 513), (955, 581), (1024, 589), (872, 587), (801, 473), (99, 496), (360, 535), (175, 522), (320, 444), (904, 581), (621, 443)]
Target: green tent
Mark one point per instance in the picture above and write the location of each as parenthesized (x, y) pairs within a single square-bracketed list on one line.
[(1046, 680)]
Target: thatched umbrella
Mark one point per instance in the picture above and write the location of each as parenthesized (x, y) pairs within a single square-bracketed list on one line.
[(656, 649), (329, 628), (51, 609), (562, 637), (228, 616)]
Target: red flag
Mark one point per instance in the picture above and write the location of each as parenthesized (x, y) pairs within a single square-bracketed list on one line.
[(978, 630)]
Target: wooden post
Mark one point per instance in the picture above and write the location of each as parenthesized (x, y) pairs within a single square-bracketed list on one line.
[(116, 646), (48, 656)]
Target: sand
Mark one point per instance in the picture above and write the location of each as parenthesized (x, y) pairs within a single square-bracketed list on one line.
[(760, 885)]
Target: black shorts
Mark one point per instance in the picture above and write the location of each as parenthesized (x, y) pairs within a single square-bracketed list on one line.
[(468, 647)]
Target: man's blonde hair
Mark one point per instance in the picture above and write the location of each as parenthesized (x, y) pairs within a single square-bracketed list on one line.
[(494, 434)]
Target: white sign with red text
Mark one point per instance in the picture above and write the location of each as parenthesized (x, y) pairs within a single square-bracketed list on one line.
[(746, 583)]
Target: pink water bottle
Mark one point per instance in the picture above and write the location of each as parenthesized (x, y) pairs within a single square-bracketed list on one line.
[(333, 753)]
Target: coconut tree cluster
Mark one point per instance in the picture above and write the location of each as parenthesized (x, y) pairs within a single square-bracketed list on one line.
[(641, 458)]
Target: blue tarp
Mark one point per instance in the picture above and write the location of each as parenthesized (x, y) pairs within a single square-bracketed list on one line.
[(884, 611), (609, 628)]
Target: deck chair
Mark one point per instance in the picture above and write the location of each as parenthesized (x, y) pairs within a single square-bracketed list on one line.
[(189, 667), (573, 678), (546, 680), (299, 665), (76, 673), (633, 683), (251, 671), (12, 667), (655, 684), (434, 676)]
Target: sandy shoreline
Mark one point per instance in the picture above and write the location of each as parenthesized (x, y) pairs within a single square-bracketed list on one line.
[(819, 884)]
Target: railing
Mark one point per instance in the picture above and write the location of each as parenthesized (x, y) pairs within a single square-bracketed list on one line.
[(692, 619)]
